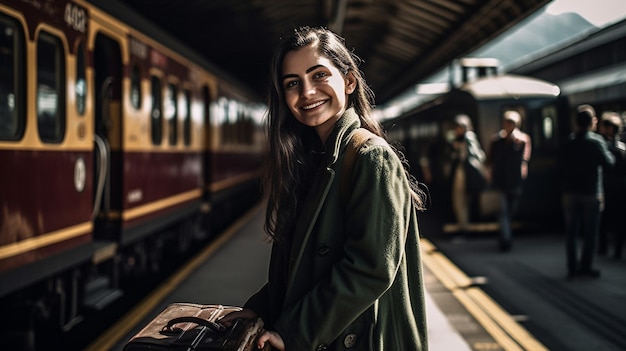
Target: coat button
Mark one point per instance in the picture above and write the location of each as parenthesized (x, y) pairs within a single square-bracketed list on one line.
[(321, 347), (349, 341), (323, 250)]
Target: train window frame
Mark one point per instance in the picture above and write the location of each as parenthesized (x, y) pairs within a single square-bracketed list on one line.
[(186, 97), (15, 98), (156, 111), (135, 87), (549, 124), (56, 55), (80, 90), (171, 112)]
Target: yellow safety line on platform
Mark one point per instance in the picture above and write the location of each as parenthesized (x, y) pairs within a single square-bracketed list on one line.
[(114, 334), (509, 334)]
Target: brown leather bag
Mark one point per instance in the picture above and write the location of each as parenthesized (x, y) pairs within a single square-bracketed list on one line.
[(188, 326)]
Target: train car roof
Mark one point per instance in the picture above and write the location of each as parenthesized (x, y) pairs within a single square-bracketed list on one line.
[(400, 41), (510, 85), (485, 88), (598, 86)]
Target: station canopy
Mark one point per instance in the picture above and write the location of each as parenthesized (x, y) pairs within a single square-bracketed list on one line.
[(400, 41)]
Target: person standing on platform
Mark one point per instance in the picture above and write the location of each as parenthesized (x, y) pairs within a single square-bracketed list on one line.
[(614, 181), (581, 161), (345, 269), (508, 159), (468, 170)]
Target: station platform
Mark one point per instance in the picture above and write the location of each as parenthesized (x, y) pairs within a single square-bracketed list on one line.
[(460, 317)]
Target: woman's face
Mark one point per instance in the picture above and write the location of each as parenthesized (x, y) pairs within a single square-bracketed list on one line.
[(315, 90)]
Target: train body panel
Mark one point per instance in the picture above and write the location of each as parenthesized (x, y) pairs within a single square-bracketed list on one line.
[(32, 222)]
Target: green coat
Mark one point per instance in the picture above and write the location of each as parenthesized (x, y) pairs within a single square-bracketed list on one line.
[(354, 272)]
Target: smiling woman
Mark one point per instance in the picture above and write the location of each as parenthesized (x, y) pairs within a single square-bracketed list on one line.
[(345, 266)]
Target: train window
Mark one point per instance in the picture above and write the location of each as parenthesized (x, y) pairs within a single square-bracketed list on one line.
[(548, 114), (171, 110), (157, 116), (548, 127), (12, 78), (50, 88), (81, 82), (186, 113), (135, 87)]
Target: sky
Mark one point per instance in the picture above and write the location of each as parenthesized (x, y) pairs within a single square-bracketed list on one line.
[(597, 12)]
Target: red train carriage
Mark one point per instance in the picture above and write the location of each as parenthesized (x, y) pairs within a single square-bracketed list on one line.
[(113, 140)]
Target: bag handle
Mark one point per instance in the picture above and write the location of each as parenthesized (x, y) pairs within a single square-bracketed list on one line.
[(167, 329)]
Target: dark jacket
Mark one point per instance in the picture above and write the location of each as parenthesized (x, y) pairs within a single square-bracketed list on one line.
[(505, 157), (354, 271), (581, 160)]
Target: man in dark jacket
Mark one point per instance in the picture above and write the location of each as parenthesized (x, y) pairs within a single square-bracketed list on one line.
[(582, 160), (508, 157)]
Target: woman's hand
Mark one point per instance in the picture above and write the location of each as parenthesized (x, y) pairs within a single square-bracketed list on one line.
[(228, 319), (273, 338), (266, 336)]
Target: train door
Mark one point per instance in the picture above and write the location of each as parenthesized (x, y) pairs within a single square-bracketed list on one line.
[(108, 135)]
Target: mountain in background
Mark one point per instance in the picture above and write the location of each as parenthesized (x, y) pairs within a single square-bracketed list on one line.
[(541, 33)]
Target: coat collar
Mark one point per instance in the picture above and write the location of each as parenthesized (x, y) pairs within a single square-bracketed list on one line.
[(338, 138)]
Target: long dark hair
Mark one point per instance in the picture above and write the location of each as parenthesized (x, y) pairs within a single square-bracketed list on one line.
[(287, 162)]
